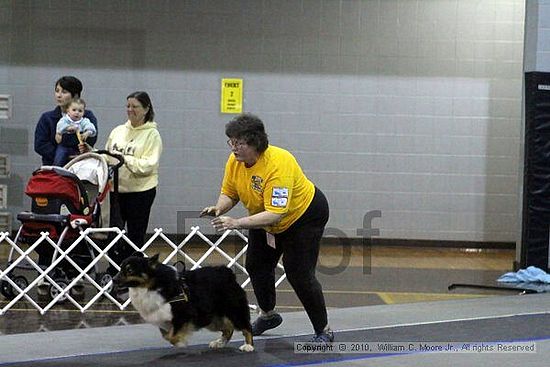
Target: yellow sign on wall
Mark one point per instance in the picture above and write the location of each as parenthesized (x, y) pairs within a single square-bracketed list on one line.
[(232, 96)]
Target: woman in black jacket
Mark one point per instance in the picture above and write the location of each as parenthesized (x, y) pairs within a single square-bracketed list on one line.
[(66, 88)]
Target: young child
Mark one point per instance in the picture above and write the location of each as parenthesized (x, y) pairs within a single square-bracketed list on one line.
[(72, 122)]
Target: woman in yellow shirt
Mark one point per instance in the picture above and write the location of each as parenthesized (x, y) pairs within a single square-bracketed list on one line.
[(287, 215)]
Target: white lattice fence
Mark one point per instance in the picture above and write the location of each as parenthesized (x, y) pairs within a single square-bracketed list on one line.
[(23, 288)]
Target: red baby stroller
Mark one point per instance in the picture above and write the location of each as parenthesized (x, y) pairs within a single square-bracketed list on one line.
[(64, 202)]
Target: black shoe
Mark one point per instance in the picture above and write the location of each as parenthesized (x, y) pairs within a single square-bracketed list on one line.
[(264, 323), (77, 291), (323, 337)]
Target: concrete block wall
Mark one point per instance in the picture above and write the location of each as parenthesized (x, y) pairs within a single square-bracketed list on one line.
[(406, 106), (537, 36)]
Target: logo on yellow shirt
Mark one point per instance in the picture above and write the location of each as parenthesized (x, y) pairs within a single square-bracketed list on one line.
[(279, 197), (257, 184), (129, 149)]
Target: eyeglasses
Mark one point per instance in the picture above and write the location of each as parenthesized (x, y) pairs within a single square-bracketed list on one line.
[(235, 144)]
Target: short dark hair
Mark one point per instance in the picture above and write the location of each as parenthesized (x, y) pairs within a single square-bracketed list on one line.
[(249, 128), (71, 84), (145, 101)]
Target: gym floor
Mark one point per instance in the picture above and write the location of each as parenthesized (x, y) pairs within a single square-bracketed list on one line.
[(351, 277), (375, 294)]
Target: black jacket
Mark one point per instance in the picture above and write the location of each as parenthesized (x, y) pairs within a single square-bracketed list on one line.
[(44, 134)]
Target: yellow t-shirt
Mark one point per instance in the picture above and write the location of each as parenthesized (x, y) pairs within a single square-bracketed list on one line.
[(276, 184)]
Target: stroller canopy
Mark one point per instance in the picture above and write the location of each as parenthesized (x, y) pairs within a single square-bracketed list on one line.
[(91, 167)]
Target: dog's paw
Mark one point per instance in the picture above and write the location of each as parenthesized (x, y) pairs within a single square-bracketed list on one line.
[(246, 348), (218, 343), (180, 344)]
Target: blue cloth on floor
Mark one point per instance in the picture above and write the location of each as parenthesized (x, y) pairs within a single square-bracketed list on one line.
[(529, 275)]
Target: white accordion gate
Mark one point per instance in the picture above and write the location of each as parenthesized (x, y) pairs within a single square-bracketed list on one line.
[(19, 287)]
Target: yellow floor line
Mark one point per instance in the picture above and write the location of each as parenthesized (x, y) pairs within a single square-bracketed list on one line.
[(378, 293), (409, 297), (386, 298)]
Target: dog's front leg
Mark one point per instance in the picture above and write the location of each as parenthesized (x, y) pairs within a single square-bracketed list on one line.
[(178, 337), (165, 334), (248, 345), (227, 333)]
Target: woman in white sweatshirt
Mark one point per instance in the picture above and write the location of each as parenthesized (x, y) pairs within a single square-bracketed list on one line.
[(139, 141)]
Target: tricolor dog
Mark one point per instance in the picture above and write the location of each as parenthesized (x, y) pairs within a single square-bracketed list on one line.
[(180, 303)]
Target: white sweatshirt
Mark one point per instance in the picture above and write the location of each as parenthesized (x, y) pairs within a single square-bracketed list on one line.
[(141, 147)]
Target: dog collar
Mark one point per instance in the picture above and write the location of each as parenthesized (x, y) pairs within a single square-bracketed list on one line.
[(181, 298)]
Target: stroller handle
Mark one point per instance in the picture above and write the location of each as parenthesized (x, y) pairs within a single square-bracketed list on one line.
[(118, 157)]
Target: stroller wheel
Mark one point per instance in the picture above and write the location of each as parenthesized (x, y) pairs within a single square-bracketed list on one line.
[(7, 289), (21, 282), (103, 279), (54, 292)]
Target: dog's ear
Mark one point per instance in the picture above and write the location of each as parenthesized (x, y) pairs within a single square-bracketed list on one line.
[(137, 254), (153, 261)]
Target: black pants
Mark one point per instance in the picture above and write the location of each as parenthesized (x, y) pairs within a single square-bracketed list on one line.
[(299, 246), (135, 208)]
